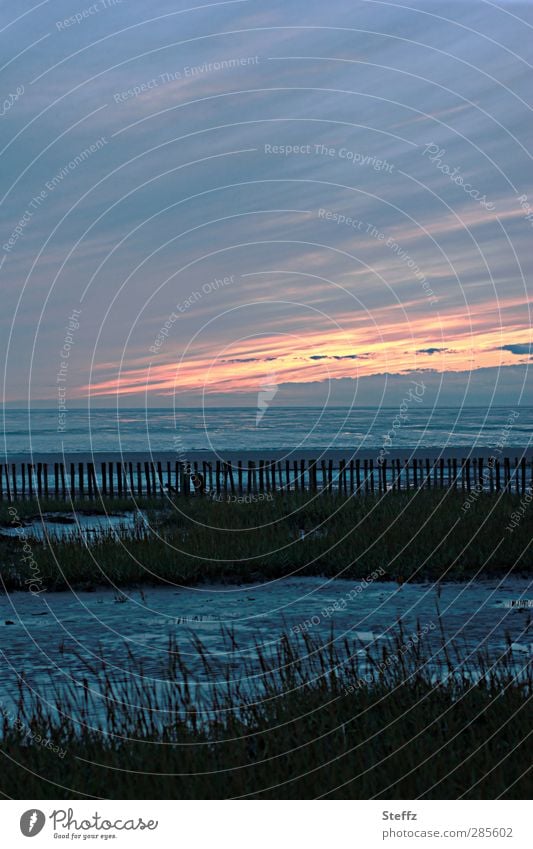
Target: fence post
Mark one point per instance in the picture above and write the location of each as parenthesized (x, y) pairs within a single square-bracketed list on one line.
[(251, 476), (273, 474), (312, 475), (14, 480), (342, 476), (230, 474)]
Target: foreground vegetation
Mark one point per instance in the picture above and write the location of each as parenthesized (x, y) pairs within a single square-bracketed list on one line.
[(425, 535), (303, 721)]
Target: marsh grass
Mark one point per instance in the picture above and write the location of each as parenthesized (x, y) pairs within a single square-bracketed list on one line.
[(303, 720), (421, 535)]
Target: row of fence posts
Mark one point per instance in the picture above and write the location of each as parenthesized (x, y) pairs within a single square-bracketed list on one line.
[(80, 480)]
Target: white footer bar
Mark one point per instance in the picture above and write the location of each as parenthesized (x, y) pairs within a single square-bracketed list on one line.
[(267, 824)]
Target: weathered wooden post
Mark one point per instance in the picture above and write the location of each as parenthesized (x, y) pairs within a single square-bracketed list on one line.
[(230, 475), (313, 485), (342, 476), (249, 476), (324, 475)]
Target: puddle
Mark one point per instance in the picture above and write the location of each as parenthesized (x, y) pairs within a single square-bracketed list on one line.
[(52, 637), (57, 527)]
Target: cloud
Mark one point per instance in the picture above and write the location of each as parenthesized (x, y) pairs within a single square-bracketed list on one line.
[(518, 349), (243, 360), (340, 356), (430, 351), (346, 357)]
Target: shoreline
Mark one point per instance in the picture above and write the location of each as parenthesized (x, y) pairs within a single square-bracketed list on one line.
[(335, 454)]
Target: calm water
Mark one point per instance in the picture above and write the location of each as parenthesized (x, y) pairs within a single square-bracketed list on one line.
[(52, 637), (234, 429)]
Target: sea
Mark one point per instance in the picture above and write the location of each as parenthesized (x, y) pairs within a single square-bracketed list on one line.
[(248, 429)]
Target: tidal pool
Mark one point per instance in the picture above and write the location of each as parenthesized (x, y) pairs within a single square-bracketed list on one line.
[(56, 638)]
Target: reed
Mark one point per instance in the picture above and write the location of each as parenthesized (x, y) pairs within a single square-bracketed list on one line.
[(411, 536), (303, 720)]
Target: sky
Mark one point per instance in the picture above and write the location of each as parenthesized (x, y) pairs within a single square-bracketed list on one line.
[(320, 202)]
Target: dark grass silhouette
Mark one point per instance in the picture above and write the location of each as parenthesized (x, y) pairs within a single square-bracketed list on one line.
[(305, 721), (413, 536)]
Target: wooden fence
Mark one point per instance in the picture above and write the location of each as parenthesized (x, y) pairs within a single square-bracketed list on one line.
[(123, 479)]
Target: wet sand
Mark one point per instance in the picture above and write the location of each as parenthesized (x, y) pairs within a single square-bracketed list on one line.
[(458, 452)]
